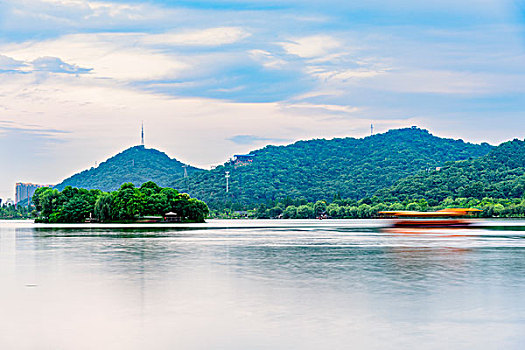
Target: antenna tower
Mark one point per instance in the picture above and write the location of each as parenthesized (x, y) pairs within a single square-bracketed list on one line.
[(371, 129), (142, 135)]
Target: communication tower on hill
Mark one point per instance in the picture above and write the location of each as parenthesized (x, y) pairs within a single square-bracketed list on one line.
[(371, 129), (142, 135)]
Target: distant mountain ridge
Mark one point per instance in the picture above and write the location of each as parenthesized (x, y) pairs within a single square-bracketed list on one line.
[(322, 169), (137, 164), (313, 169)]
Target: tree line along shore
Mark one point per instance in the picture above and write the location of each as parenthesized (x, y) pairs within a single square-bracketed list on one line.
[(132, 204), (368, 208)]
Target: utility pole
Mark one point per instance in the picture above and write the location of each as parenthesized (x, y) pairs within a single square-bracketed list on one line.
[(227, 176), (186, 177)]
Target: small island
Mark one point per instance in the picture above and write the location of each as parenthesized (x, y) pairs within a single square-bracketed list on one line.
[(129, 204)]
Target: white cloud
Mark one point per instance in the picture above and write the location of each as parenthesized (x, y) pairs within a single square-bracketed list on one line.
[(8, 63), (205, 37), (108, 55), (344, 74), (122, 56), (267, 59), (433, 81), (56, 65), (78, 13), (323, 107), (311, 46)]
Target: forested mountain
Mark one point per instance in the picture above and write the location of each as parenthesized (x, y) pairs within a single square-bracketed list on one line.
[(499, 174), (321, 169), (136, 165)]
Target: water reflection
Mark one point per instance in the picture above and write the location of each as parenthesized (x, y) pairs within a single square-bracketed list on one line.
[(263, 285)]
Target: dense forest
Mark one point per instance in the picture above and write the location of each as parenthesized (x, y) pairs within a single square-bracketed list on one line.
[(136, 165), (319, 169), (127, 204), (499, 174)]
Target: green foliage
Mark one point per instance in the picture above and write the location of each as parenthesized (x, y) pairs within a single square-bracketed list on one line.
[(320, 208), (305, 212), (103, 207), (348, 209), (290, 212), (325, 169), (499, 174), (136, 165), (11, 212), (128, 203)]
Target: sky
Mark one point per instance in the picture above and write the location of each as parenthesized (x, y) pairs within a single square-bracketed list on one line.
[(210, 79)]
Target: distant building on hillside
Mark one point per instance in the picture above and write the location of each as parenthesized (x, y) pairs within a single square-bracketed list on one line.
[(243, 159), (25, 191)]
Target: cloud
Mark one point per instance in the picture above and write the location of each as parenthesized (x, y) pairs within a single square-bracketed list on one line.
[(108, 55), (205, 37), (437, 81), (251, 139), (41, 64), (267, 59), (325, 108), (343, 74), (311, 46), (56, 65), (8, 64), (53, 17), (43, 132)]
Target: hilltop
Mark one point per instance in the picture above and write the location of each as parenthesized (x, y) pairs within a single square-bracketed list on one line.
[(136, 164), (499, 174), (321, 169)]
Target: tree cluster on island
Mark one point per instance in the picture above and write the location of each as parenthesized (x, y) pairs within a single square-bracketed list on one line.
[(127, 204)]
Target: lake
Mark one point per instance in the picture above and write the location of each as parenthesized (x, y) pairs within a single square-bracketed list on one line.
[(264, 284)]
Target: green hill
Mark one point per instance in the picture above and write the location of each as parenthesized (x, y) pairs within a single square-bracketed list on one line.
[(136, 164), (321, 169), (499, 174)]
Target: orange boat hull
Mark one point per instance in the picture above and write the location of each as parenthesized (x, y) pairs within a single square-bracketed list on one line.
[(432, 223)]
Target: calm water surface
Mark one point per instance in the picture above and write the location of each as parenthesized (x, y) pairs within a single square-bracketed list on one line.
[(262, 285)]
